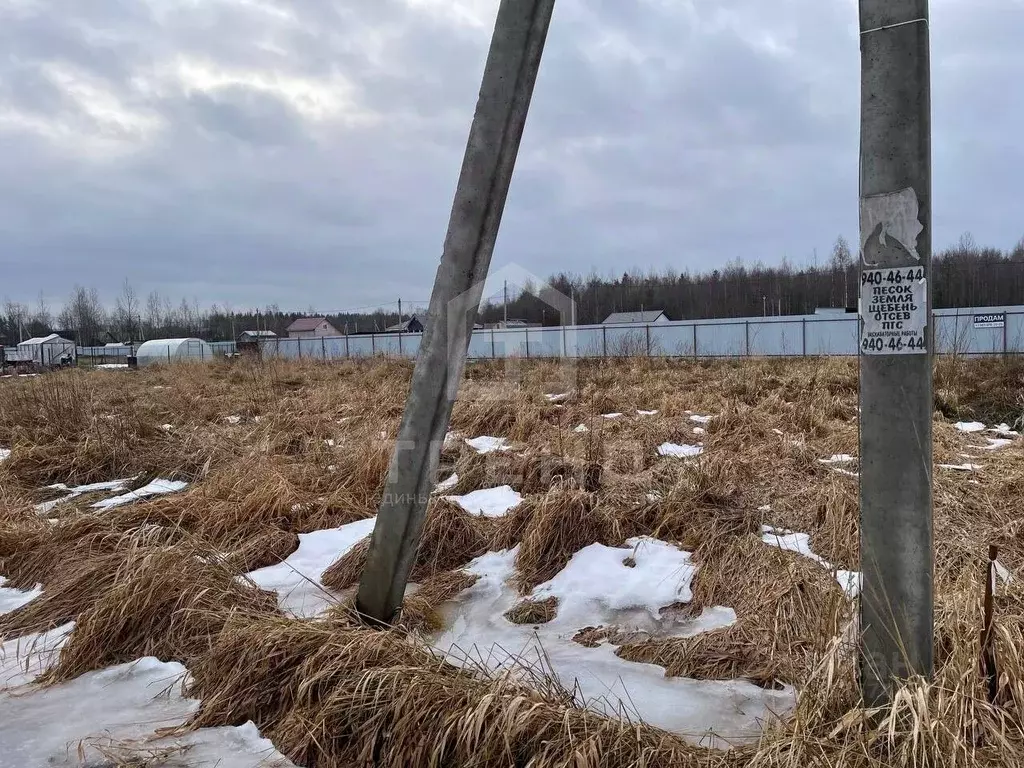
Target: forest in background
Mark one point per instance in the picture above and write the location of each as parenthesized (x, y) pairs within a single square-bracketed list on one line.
[(966, 275)]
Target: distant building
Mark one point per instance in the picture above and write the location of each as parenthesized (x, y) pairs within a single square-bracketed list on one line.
[(512, 325), (252, 336), (311, 328), (650, 317), (47, 350), (412, 325)]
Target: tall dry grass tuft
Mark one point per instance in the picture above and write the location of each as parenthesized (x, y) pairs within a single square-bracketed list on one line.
[(171, 603), (560, 523)]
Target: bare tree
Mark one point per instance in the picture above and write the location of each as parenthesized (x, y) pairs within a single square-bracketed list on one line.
[(126, 312)]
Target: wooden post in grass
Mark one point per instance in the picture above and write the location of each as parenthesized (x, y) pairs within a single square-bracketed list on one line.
[(505, 92), (896, 346)]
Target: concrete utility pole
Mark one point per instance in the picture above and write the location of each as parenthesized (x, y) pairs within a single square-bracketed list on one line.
[(504, 304), (514, 59), (896, 346)]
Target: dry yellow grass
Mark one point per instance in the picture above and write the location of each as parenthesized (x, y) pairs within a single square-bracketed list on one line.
[(160, 576)]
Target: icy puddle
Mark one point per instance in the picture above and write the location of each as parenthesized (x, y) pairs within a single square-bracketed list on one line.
[(297, 579), (10, 599), (598, 588)]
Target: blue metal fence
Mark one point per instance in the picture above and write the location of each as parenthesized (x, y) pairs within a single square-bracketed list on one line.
[(957, 331)]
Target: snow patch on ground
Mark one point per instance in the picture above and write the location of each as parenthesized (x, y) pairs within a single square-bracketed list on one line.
[(110, 707), (994, 444), (701, 419), (155, 488), (489, 502), (849, 581), (297, 579), (679, 451), (112, 366), (597, 588), (488, 444), (23, 659), (612, 415), (5, 453), (559, 398), (73, 492), (1004, 429), (970, 426), (10, 599), (962, 467), (839, 458), (233, 419), (581, 428), (646, 413), (447, 485)]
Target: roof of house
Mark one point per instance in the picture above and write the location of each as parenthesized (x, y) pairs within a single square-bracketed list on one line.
[(262, 334), (404, 325), (307, 323), (633, 317), (53, 337)]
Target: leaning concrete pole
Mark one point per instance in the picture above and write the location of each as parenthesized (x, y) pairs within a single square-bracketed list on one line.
[(895, 346), (509, 76)]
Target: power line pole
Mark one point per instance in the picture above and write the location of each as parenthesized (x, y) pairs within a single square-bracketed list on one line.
[(505, 92), (896, 346), (505, 304), (399, 311)]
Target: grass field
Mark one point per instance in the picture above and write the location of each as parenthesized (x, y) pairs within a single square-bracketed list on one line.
[(653, 563)]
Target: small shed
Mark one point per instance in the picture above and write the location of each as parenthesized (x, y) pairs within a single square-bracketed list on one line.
[(650, 317), (47, 350), (412, 325), (256, 336), (173, 350)]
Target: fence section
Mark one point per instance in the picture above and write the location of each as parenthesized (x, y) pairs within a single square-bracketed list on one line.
[(982, 331)]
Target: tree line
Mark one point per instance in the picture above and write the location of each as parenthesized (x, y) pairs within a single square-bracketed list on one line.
[(963, 276)]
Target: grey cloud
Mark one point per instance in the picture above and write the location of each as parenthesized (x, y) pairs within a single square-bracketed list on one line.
[(662, 134)]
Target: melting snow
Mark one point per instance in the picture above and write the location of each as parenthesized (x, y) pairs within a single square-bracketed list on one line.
[(679, 451), (850, 581), (490, 502), (10, 599), (612, 415), (74, 492), (167, 427), (447, 485), (233, 419), (647, 413), (63, 724), (297, 579), (23, 659), (994, 444), (839, 458), (4, 453), (970, 426), (487, 444), (962, 467), (581, 428), (1004, 429), (559, 398), (701, 419), (112, 366), (155, 488), (596, 588), (699, 430)]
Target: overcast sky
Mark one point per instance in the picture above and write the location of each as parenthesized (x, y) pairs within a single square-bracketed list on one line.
[(305, 152)]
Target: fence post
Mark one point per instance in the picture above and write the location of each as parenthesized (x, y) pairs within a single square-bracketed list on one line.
[(526, 332), (746, 333), (604, 341), (400, 344), (565, 345), (803, 333), (1006, 322), (694, 326), (647, 328), (373, 345), (494, 351)]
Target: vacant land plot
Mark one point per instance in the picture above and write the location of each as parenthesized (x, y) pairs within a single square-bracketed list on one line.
[(642, 563)]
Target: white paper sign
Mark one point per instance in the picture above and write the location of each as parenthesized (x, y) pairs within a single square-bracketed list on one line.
[(894, 308)]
